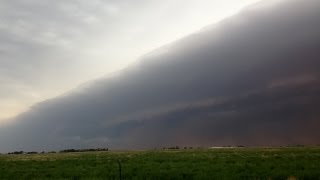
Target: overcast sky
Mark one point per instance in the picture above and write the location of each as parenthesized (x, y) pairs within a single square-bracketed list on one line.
[(50, 47), (252, 79)]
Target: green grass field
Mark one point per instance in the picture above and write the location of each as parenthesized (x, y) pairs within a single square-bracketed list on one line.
[(229, 163)]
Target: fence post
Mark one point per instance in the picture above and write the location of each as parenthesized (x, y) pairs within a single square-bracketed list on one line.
[(120, 173)]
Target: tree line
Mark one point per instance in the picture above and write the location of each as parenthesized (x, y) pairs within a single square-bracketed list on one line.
[(62, 151)]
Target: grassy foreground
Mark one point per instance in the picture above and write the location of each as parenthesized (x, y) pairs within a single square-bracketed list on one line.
[(235, 163)]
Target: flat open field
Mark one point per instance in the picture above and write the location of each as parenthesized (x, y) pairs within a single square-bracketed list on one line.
[(229, 163)]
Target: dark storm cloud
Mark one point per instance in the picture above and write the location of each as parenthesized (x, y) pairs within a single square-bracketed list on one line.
[(47, 48), (252, 79)]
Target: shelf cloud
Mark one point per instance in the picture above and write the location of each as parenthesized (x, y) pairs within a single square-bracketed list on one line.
[(252, 79)]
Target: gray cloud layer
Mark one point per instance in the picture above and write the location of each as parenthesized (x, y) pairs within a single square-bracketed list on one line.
[(252, 79), (49, 47)]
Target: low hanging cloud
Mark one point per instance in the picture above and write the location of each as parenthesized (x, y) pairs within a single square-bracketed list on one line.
[(252, 79)]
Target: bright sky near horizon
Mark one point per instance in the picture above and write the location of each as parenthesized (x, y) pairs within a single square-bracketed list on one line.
[(48, 48)]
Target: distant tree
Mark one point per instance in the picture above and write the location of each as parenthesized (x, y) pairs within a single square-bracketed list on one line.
[(16, 152), (83, 150), (32, 152)]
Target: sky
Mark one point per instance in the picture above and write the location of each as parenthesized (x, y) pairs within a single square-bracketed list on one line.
[(49, 48), (251, 79)]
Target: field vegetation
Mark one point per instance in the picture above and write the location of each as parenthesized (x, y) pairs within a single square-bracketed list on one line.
[(224, 163)]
